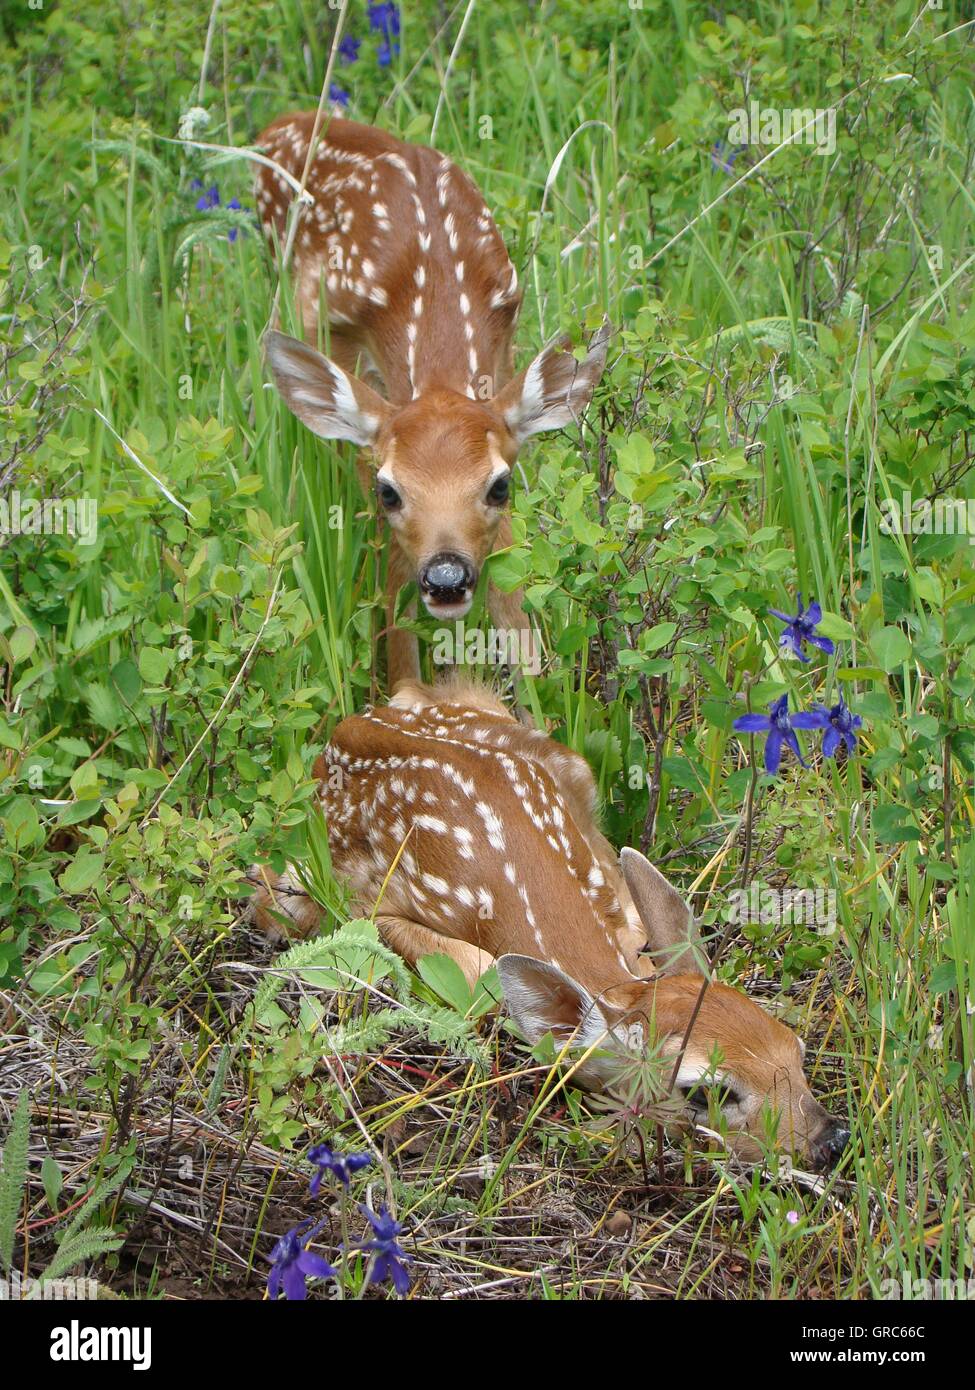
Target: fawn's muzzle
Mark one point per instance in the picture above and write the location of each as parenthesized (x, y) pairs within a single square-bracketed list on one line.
[(446, 580), (829, 1145)]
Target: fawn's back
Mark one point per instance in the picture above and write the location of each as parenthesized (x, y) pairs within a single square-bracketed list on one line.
[(414, 271), (495, 822)]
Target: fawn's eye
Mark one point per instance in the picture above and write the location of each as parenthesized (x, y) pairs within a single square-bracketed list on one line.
[(388, 496), (700, 1094), (498, 491)]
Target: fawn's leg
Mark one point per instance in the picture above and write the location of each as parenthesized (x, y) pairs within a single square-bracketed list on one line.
[(402, 650), (282, 894), (411, 940)]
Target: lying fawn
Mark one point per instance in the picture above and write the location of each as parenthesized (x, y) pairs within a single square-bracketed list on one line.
[(403, 260), (500, 860)]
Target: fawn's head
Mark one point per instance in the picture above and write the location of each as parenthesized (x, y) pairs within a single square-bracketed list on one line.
[(443, 461), (738, 1067)]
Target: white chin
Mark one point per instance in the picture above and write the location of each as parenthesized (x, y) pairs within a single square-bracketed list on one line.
[(447, 612)]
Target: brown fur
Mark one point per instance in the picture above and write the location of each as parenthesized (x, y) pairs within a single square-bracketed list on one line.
[(529, 876), (401, 258), (379, 330)]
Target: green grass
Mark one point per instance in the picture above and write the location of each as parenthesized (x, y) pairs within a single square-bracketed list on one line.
[(749, 494)]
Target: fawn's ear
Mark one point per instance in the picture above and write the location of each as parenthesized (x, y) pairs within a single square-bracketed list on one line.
[(553, 390), (673, 935), (328, 400), (543, 999)]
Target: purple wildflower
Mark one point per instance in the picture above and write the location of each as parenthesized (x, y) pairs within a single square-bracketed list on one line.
[(801, 629), (349, 50), (338, 94), (210, 199), (723, 156), (384, 19), (386, 52), (292, 1263), (236, 205), (342, 1166), (841, 725), (779, 724), (390, 1258)]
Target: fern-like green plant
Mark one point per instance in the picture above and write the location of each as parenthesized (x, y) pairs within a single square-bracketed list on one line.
[(13, 1178), (78, 1243), (330, 962), (351, 957)]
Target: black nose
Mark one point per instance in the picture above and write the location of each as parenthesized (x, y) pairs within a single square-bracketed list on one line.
[(447, 578), (829, 1146)]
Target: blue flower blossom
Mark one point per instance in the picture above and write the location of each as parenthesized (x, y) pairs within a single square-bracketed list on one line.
[(386, 52), (210, 198), (841, 725), (723, 156), (390, 1258), (292, 1264), (779, 724), (235, 204), (342, 1166), (349, 50), (338, 94), (384, 19), (802, 628)]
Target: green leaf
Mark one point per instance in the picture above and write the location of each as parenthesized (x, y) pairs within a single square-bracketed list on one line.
[(23, 640), (76, 812), (84, 870), (860, 673), (227, 581), (944, 977), (246, 766), (9, 737), (154, 665), (960, 625), (279, 788), (446, 979), (891, 647), (487, 993), (889, 826), (508, 569), (876, 705), (21, 825), (104, 708), (924, 726), (832, 625), (52, 1179), (125, 679), (657, 637)]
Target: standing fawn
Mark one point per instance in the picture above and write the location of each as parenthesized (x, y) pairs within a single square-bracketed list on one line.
[(500, 860), (401, 258)]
